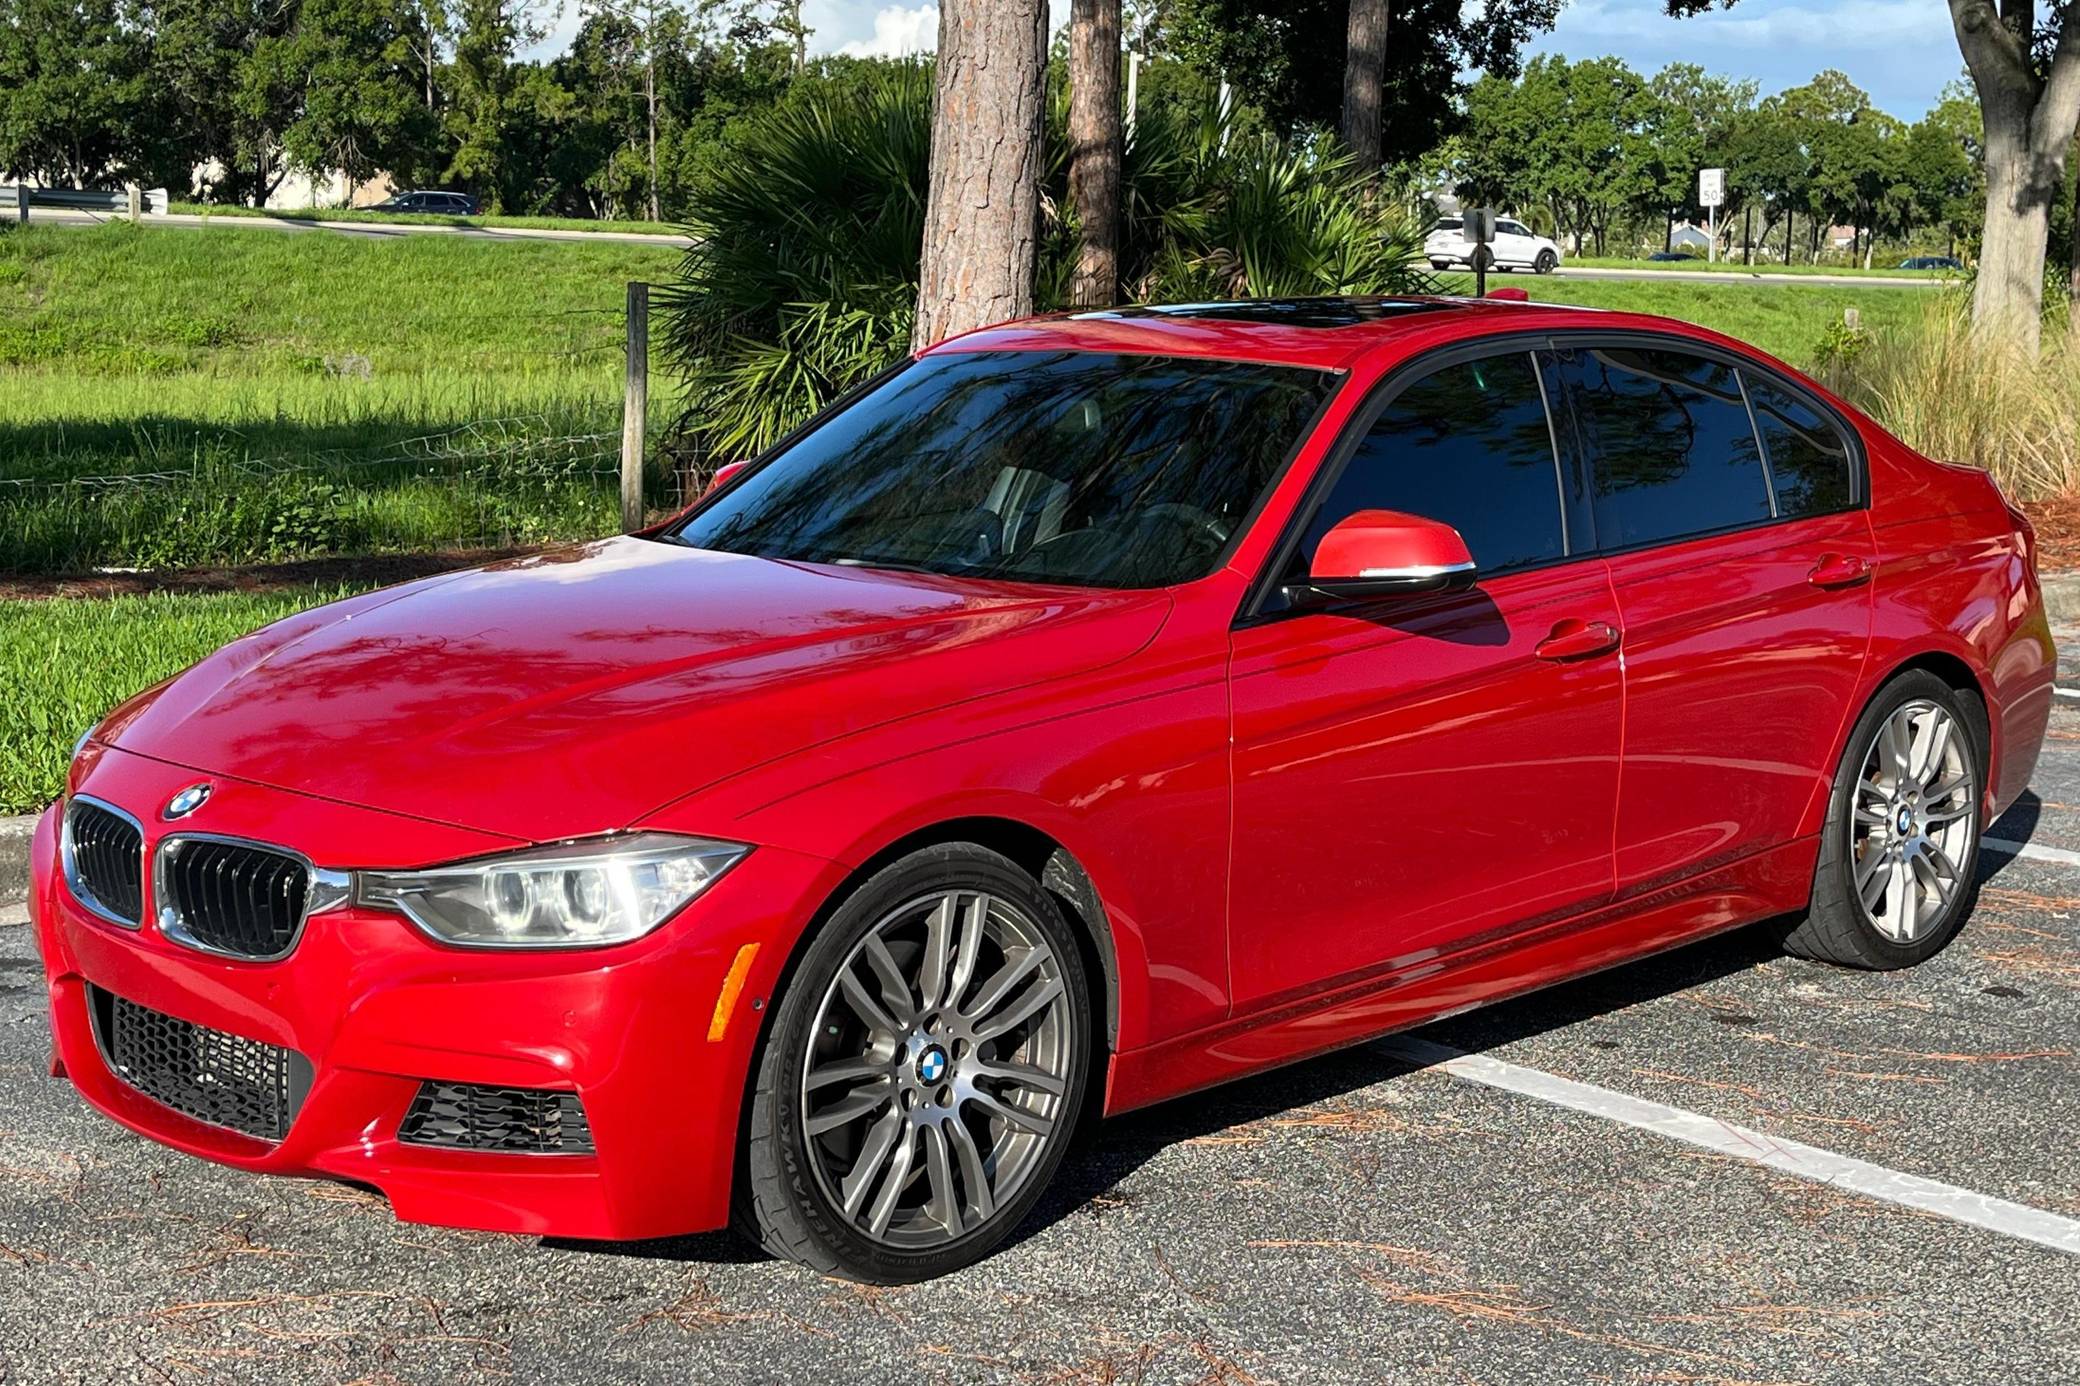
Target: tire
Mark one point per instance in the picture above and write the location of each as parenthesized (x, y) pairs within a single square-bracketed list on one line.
[(1912, 917), (919, 1102), (1440, 264), (1546, 263), (1483, 258)]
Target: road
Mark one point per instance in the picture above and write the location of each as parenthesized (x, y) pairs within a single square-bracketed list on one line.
[(1601, 1190), (192, 221)]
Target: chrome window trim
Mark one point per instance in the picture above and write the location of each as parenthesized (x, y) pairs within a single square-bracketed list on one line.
[(70, 868), (323, 890)]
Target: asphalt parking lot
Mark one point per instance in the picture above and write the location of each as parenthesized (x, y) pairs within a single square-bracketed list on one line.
[(1367, 1217)]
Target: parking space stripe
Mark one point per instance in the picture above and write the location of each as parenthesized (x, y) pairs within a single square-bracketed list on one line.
[(2067, 692), (2030, 851), (1745, 1143)]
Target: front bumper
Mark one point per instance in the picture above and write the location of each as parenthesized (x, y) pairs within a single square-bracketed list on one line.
[(377, 1009)]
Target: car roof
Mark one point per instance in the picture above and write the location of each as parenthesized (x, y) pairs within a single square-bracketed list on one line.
[(1328, 333)]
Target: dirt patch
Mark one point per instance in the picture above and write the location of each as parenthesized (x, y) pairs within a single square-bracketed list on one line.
[(2057, 522), (375, 570)]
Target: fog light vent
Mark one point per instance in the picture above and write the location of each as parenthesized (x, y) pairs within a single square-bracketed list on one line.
[(527, 1121)]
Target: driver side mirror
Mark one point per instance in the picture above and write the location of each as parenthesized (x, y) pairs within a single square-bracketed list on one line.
[(725, 472), (1380, 553)]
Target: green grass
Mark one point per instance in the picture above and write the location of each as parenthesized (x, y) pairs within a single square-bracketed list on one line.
[(64, 664), (647, 228), (1786, 320), (295, 394), (1877, 270)]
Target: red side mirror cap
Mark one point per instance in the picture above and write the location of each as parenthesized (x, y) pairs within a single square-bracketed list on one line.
[(1379, 552), (724, 472), (1510, 295)]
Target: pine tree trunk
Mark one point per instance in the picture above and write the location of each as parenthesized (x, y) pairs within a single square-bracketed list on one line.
[(981, 227), (1094, 150), (1365, 80)]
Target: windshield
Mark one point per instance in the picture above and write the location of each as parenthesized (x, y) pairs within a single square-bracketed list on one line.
[(1058, 467)]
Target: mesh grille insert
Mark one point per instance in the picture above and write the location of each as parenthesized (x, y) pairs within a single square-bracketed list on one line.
[(233, 896), (107, 859), (470, 1117), (240, 1084)]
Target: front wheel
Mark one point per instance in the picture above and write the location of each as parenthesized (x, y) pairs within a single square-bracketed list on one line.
[(924, 1073), (1547, 262), (1900, 848)]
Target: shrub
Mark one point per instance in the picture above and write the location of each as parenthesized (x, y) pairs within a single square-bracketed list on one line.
[(803, 277), (1951, 395)]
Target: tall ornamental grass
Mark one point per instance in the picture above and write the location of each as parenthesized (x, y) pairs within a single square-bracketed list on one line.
[(1955, 396)]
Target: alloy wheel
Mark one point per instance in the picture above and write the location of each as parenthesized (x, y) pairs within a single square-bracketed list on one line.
[(1911, 832), (938, 1069)]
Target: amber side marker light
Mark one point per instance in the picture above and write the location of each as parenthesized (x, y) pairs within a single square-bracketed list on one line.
[(732, 988)]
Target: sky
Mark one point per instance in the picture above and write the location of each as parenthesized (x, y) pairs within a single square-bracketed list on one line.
[(1900, 51)]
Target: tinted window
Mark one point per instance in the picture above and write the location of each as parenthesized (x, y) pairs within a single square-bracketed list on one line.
[(1511, 228), (1808, 457), (1062, 466), (1672, 450), (1468, 445)]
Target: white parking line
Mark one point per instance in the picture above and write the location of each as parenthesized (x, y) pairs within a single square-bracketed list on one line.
[(2030, 851), (2067, 692), (1744, 1143)]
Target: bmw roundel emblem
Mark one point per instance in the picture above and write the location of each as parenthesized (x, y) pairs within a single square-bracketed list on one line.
[(931, 1065), (185, 802)]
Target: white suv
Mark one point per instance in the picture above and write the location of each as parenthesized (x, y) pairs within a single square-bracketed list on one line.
[(1514, 247)]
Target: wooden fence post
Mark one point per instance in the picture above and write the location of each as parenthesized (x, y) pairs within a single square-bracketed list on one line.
[(21, 201), (635, 406), (136, 203)]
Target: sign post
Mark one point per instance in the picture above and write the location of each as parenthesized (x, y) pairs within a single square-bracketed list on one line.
[(1478, 226), (1711, 192)]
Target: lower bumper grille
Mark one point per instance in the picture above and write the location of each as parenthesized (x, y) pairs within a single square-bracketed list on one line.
[(465, 1116), (224, 1080)]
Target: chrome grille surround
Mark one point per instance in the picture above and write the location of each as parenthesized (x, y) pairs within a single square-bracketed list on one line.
[(97, 842)]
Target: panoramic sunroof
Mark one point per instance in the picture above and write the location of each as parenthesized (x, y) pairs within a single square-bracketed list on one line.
[(1292, 312)]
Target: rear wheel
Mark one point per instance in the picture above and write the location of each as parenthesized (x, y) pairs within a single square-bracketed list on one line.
[(1900, 849), (924, 1074), (1440, 264)]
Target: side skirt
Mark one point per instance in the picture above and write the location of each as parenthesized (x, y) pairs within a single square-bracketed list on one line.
[(1752, 889)]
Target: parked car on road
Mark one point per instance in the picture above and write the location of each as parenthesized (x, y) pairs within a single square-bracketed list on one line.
[(1670, 257), (444, 203), (1090, 710), (1514, 247), (1932, 262)]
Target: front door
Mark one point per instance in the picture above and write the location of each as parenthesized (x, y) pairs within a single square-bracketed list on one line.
[(1417, 775)]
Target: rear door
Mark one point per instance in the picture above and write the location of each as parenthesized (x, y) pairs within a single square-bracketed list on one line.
[(1420, 775), (1727, 504)]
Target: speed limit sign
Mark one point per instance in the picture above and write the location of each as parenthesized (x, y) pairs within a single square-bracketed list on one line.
[(1711, 187)]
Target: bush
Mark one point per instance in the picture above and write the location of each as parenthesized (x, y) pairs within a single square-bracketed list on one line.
[(803, 277), (1955, 397)]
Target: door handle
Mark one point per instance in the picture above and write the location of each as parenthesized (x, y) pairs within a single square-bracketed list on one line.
[(1839, 570), (1573, 639)]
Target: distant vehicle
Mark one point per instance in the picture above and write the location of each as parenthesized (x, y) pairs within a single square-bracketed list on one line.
[(1932, 262), (1514, 247), (1663, 257), (452, 204)]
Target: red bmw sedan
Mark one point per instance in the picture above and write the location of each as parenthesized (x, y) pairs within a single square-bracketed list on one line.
[(1088, 711)]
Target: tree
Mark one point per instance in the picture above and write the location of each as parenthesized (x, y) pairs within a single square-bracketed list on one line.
[(1364, 79), (981, 215), (1094, 149), (78, 104), (347, 73), (1276, 52), (483, 83)]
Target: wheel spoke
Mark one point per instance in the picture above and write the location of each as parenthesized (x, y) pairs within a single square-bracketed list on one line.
[(898, 1179), (999, 985), (872, 1157), (845, 1071), (938, 951), (862, 1101), (895, 988), (1892, 746), (938, 1168), (1938, 747), (1028, 1006), (1024, 1075), (1899, 884), (1872, 877), (982, 1199), (1935, 818), (973, 924), (865, 1006), (1012, 1113)]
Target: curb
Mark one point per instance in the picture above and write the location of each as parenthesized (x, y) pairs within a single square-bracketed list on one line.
[(14, 855), (2062, 598)]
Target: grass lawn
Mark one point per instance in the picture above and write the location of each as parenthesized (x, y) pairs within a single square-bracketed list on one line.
[(63, 664), (647, 228), (1786, 320), (1878, 270), (295, 394)]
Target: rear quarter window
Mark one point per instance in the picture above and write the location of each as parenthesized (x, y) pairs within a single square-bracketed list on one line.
[(1809, 461)]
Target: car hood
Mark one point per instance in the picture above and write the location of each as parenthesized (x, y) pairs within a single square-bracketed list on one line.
[(572, 692)]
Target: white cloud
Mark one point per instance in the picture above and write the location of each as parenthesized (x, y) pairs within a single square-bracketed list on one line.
[(898, 33)]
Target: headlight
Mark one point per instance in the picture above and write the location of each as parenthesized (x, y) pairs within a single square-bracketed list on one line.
[(580, 895)]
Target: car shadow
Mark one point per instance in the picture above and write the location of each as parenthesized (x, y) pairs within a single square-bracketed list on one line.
[(1108, 1156)]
